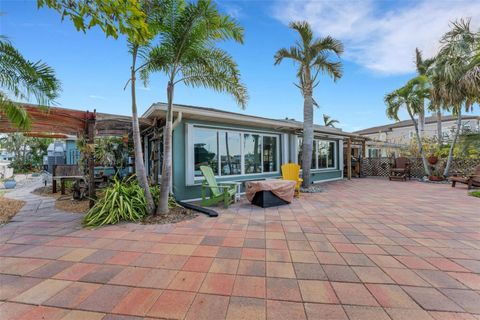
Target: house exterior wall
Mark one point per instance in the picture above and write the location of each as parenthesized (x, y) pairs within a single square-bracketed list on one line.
[(186, 187), (403, 135)]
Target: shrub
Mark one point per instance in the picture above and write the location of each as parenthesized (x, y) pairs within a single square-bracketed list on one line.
[(475, 193), (122, 201)]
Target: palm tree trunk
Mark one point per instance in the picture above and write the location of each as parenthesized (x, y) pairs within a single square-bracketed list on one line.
[(421, 119), (439, 126), (420, 145), (307, 146), (137, 143), (452, 146), (167, 154)]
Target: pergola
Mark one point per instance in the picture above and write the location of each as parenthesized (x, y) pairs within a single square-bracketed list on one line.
[(55, 122), (351, 141)]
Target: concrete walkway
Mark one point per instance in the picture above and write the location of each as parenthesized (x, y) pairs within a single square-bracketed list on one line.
[(366, 249)]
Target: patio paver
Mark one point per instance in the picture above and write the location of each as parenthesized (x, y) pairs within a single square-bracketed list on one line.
[(362, 249)]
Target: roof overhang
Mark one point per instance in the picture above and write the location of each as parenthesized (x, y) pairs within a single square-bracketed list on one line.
[(158, 110)]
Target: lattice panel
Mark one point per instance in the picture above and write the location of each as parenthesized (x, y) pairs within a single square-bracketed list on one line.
[(380, 167)]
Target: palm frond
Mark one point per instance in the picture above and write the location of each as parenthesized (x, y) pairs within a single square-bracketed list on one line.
[(215, 69), (23, 78), (290, 53), (304, 30), (14, 112)]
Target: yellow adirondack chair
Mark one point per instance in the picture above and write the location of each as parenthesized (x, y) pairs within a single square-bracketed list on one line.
[(291, 171)]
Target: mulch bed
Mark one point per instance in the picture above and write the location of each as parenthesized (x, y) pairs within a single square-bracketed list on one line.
[(9, 208), (64, 202), (175, 215)]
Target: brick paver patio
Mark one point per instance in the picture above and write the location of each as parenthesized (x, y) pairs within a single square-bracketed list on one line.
[(362, 250)]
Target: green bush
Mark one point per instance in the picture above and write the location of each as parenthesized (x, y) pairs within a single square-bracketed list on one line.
[(122, 201), (475, 193)]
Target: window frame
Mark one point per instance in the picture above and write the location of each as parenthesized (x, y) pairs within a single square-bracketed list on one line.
[(316, 141), (190, 154)]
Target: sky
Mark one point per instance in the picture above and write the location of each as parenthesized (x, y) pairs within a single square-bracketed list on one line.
[(380, 38)]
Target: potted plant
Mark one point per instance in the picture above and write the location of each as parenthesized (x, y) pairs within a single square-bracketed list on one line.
[(10, 183), (436, 175), (432, 159)]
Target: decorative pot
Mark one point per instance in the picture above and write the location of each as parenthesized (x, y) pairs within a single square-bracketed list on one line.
[(435, 178), (10, 184), (432, 159)]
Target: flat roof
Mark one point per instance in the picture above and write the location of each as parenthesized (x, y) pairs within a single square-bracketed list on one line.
[(408, 123)]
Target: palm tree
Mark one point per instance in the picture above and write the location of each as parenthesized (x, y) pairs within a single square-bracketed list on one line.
[(455, 73), (328, 121), (422, 66), (137, 43), (312, 56), (410, 97), (187, 54), (21, 79)]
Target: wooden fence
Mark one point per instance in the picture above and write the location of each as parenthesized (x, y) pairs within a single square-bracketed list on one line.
[(380, 166)]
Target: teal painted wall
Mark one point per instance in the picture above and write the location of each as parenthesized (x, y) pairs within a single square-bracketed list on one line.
[(184, 192), (72, 152)]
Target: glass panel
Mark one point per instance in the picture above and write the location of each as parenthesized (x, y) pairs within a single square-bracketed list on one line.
[(252, 148), (205, 150), (269, 154), (314, 154), (230, 157), (331, 155), (323, 154)]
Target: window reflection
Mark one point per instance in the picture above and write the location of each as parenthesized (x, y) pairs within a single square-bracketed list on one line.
[(230, 157), (252, 148), (205, 150)]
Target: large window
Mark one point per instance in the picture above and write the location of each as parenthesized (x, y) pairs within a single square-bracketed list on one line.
[(269, 154), (205, 143), (252, 148), (234, 153), (230, 156), (323, 154)]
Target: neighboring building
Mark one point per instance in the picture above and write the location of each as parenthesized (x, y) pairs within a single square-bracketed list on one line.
[(389, 139), (238, 147), (6, 156)]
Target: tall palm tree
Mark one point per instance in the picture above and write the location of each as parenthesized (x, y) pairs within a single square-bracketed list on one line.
[(21, 79), (410, 97), (454, 74), (187, 54), (328, 121), (312, 57), (138, 43), (422, 66)]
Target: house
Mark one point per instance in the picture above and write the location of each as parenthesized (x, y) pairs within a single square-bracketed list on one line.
[(391, 138), (238, 147)]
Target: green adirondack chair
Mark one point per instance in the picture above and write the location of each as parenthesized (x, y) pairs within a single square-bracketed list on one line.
[(218, 191)]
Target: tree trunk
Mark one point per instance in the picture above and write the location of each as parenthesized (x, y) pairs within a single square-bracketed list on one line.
[(452, 146), (137, 143), (167, 154), (420, 144), (421, 119), (439, 126), (307, 146)]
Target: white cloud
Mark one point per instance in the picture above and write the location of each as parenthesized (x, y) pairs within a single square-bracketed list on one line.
[(380, 39)]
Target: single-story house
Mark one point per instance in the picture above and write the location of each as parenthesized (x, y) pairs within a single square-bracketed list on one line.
[(238, 147)]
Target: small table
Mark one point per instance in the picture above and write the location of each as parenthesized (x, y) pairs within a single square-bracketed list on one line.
[(270, 193), (238, 186)]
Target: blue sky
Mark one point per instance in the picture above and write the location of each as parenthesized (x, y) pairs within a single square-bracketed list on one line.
[(379, 36)]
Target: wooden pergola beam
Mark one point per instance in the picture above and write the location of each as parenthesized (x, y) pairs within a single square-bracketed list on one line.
[(349, 158)]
